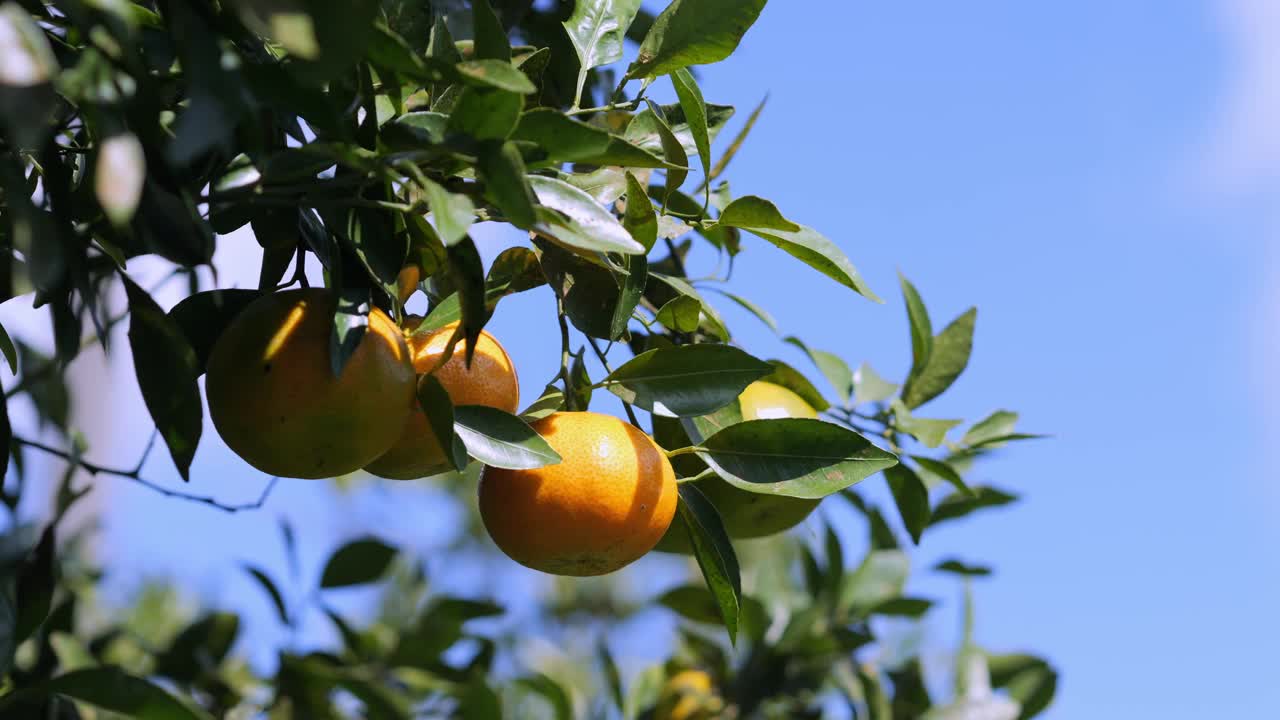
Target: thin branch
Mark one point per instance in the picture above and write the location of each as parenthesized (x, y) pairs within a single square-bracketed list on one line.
[(135, 475), (604, 360)]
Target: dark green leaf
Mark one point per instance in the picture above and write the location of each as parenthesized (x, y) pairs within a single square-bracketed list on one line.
[(591, 292), (495, 74), (166, 368), (675, 155), (643, 130), (502, 170), (693, 32), (902, 607), (695, 110), (958, 567), (551, 400), (466, 270), (640, 219), (486, 114), (203, 317), (715, 555), (943, 470), (610, 671), (957, 505), (750, 211), (350, 323), (453, 212), (35, 583), (357, 563), (499, 439), (10, 353), (921, 327), (912, 498), (576, 220), (268, 586), (567, 140), (793, 456), (114, 690), (437, 628), (200, 647), (438, 407), (1029, 680), (947, 359), (681, 314), (491, 38), (687, 380), (760, 313), (633, 277), (816, 251)]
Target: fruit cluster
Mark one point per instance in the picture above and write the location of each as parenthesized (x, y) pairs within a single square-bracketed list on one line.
[(277, 403)]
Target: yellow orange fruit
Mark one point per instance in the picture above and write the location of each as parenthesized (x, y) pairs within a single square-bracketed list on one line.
[(747, 514), (491, 380), (274, 398), (606, 503), (689, 695), (407, 282)]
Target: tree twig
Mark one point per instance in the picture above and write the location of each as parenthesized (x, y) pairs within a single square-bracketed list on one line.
[(135, 474), (631, 415)]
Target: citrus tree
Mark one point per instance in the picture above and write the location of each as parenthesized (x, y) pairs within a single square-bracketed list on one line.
[(364, 140)]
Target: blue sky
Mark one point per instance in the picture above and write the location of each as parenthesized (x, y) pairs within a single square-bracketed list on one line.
[(1100, 179)]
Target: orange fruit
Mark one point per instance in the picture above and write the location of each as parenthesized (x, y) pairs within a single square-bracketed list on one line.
[(604, 505), (407, 282), (491, 380), (689, 695), (747, 514), (275, 401)]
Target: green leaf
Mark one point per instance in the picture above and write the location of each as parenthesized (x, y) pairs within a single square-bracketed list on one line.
[(947, 359), (675, 155), (736, 144), (609, 668), (485, 113), (750, 211), (551, 400), (921, 327), (200, 647), (491, 41), (880, 577), (436, 629), (695, 109), (995, 425), (453, 213), (591, 292), (551, 691), (832, 367), (713, 324), (698, 604), (643, 130), (1029, 680), (791, 379), (931, 432), (567, 140), (958, 505), (7, 348), (805, 244), (902, 607), (640, 219), (714, 553), (166, 368), (350, 323), (958, 567), (114, 690), (500, 167), (760, 313), (203, 317), (681, 314), (634, 277), (35, 584), (466, 271), (868, 386), (501, 439), (6, 441), (605, 185), (793, 456), (438, 408), (578, 221), (693, 32), (596, 29), (496, 74), (265, 582), (580, 384), (357, 563), (943, 470), (686, 380), (912, 498)]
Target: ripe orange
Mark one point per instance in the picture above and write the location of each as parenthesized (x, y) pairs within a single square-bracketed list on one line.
[(275, 401), (407, 282), (491, 381), (604, 505), (747, 514), (689, 695)]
